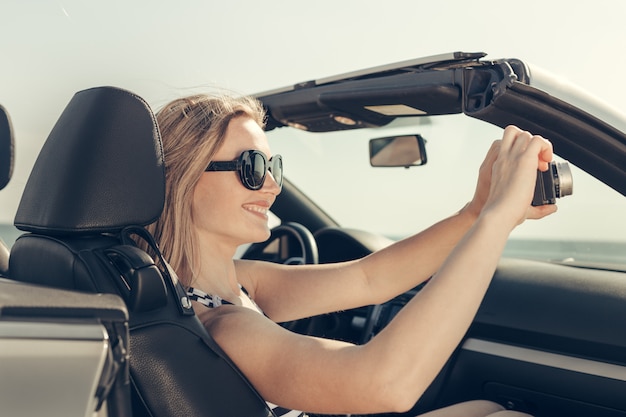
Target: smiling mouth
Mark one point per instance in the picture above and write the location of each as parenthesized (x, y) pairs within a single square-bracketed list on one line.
[(257, 209)]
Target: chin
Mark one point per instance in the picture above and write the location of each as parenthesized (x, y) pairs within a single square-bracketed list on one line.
[(263, 239), (261, 236)]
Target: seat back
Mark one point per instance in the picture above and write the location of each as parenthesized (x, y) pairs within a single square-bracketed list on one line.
[(98, 180), (6, 169), (6, 148)]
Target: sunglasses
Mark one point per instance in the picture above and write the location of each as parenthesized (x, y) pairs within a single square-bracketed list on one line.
[(252, 166)]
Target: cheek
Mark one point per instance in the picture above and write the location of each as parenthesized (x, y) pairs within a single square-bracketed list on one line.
[(212, 200), (203, 199)]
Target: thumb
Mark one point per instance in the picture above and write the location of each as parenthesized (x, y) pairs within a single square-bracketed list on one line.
[(538, 212)]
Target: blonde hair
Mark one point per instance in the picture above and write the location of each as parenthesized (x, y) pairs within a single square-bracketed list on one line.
[(192, 130)]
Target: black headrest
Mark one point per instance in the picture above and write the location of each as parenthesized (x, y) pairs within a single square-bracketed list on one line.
[(6, 148), (100, 169)]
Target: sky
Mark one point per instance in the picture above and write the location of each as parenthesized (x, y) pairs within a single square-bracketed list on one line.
[(164, 49)]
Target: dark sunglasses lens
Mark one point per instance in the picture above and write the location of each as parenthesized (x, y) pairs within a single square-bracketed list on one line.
[(276, 168), (254, 170), (254, 167)]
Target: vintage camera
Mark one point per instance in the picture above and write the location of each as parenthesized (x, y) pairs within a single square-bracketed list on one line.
[(554, 183)]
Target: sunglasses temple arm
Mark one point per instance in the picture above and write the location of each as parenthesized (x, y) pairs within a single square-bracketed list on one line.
[(224, 166)]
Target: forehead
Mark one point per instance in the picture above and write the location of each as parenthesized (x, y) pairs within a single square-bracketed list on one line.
[(242, 134)]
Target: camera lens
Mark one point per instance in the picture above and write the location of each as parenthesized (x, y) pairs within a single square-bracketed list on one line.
[(564, 183)]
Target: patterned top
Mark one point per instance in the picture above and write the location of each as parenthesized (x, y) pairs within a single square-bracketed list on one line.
[(212, 301), (206, 299)]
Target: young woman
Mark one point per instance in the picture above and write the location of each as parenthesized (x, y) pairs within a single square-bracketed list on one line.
[(221, 180)]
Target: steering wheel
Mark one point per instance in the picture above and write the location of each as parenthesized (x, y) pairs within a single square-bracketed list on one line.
[(289, 237)]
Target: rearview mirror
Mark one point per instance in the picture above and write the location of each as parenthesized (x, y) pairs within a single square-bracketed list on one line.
[(398, 151)]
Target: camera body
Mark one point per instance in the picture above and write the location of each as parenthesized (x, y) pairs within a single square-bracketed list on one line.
[(554, 183)]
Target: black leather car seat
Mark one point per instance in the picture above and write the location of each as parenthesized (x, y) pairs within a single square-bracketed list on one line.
[(98, 180), (6, 169)]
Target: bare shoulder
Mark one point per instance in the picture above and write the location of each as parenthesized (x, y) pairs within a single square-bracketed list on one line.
[(229, 322), (210, 317)]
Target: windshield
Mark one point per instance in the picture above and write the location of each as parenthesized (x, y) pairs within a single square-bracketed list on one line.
[(333, 169)]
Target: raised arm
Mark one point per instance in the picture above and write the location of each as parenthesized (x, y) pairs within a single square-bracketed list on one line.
[(289, 293)]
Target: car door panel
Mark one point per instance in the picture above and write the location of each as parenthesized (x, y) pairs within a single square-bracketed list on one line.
[(548, 339)]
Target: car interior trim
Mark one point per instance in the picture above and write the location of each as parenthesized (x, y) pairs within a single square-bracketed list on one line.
[(555, 360), (65, 331)]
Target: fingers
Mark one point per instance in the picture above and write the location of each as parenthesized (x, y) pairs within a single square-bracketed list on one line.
[(484, 180), (510, 135), (520, 141), (546, 155), (492, 155)]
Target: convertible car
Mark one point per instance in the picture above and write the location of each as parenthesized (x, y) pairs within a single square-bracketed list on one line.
[(370, 157)]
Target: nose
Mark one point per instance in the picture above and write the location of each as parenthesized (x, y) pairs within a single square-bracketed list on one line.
[(270, 185)]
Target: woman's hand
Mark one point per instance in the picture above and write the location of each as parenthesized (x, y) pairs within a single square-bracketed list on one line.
[(514, 174), (484, 181)]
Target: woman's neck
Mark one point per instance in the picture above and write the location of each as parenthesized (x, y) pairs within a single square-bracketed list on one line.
[(215, 272)]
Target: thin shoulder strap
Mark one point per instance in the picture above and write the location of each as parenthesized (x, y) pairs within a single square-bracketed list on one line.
[(170, 277)]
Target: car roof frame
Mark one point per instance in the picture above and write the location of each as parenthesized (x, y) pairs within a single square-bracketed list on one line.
[(499, 92)]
